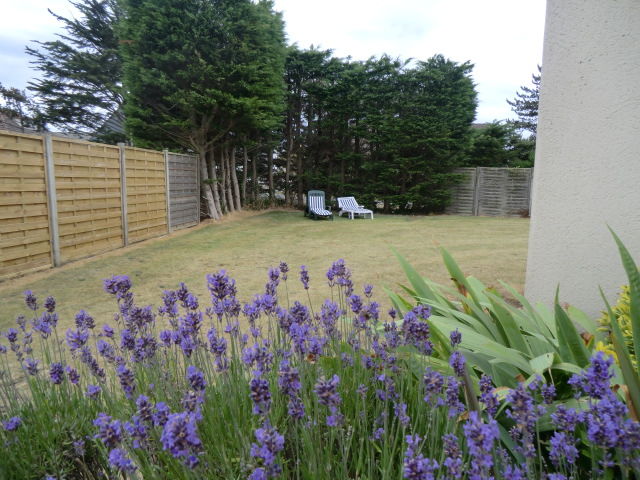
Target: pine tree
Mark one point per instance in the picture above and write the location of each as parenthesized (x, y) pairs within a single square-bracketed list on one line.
[(80, 80), (525, 105)]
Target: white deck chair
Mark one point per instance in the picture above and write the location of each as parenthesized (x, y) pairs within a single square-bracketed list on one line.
[(315, 205), (349, 206)]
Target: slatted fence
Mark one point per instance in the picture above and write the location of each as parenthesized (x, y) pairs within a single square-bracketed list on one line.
[(24, 210), (489, 191), (184, 202), (63, 199)]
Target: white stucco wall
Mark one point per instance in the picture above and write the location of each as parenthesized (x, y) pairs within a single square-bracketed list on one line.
[(587, 169)]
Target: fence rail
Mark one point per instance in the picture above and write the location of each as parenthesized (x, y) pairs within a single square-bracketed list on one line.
[(64, 199), (494, 192)]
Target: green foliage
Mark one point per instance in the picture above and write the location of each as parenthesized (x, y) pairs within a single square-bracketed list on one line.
[(525, 105), (621, 311), (630, 372), (382, 129), (81, 72), (200, 71), (499, 144), (508, 343), (18, 106)]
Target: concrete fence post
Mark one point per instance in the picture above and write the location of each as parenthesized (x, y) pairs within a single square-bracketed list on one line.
[(166, 186), (123, 194), (476, 191), (52, 200)]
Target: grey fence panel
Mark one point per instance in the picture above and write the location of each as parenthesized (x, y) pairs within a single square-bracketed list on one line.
[(496, 192), (184, 201), (463, 193)]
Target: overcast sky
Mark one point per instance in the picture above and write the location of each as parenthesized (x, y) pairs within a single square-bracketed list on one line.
[(502, 38)]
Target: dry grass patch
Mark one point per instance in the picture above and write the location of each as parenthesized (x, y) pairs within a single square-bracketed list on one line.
[(248, 244)]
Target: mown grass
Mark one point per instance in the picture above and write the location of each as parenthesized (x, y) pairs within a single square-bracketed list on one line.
[(247, 244)]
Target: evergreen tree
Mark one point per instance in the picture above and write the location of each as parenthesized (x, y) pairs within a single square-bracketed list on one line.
[(203, 73), (525, 105), (81, 72), (17, 106)]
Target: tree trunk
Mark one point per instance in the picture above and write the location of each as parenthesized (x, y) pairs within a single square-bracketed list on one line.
[(223, 182), (271, 189), (254, 167), (214, 184), (299, 179), (287, 186), (227, 178), (245, 165), (234, 179), (208, 193)]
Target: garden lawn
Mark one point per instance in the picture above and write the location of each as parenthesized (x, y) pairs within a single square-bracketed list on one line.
[(247, 244)]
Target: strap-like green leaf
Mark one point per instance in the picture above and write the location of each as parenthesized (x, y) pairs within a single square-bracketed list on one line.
[(572, 347), (634, 293), (631, 378)]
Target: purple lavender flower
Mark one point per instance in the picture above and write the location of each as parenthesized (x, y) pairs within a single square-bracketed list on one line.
[(107, 331), (77, 338), (480, 441), (513, 472), (327, 392), (355, 303), (562, 449), (347, 360), (161, 415), (288, 379), (12, 424), (457, 362), (43, 324), (304, 277), (416, 332), (260, 395), (368, 290), (524, 413), (84, 320), (594, 381), (433, 383), (106, 350), (127, 380), (109, 430), (12, 335), (93, 391), (79, 448), (455, 338), (487, 395), (400, 410), (284, 269), (452, 397), (362, 390), (416, 466), (196, 378), (221, 286), (259, 357), (166, 337), (137, 432), (144, 408), (265, 451), (50, 304), (3, 350), (548, 391), (56, 373), (453, 456), (329, 315), (119, 460), (566, 419), (180, 437), (30, 300), (31, 366)]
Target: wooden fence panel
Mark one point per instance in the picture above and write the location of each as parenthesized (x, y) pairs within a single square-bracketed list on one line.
[(24, 215), (88, 193), (504, 191), (146, 194), (184, 200), (463, 194), (494, 192)]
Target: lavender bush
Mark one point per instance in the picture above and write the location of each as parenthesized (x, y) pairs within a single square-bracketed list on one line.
[(278, 389)]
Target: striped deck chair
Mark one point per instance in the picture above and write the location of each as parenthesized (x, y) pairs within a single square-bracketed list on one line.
[(349, 206), (315, 205)]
